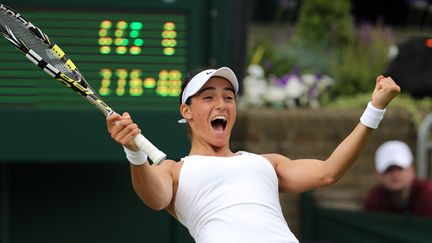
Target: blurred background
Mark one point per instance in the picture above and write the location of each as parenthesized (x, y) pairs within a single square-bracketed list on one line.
[(307, 67)]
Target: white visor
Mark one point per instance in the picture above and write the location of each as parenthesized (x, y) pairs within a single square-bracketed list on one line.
[(199, 80)]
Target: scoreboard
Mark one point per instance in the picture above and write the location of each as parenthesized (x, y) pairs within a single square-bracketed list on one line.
[(130, 58)]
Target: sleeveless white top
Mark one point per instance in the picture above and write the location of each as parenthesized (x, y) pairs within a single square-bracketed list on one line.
[(231, 200)]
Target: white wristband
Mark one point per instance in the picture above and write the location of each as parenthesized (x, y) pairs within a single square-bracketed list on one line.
[(135, 157), (372, 116)]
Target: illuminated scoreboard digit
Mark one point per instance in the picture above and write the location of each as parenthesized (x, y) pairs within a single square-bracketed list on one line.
[(128, 58), (124, 38)]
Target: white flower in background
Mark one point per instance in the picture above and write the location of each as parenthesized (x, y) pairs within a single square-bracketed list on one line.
[(317, 84), (275, 95), (324, 82), (308, 98), (294, 89), (255, 86), (309, 79), (288, 91)]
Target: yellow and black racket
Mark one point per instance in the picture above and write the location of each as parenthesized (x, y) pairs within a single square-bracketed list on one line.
[(48, 56)]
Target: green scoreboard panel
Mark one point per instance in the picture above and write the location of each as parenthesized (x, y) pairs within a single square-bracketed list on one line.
[(131, 59), (133, 53)]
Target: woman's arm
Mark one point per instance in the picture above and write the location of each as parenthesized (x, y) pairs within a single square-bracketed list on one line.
[(153, 184), (305, 174)]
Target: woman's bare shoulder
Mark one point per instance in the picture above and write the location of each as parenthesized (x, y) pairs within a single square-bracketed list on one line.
[(275, 158)]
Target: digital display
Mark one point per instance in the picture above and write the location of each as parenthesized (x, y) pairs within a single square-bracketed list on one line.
[(129, 59)]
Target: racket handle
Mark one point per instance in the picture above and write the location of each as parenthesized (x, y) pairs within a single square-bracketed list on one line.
[(152, 152)]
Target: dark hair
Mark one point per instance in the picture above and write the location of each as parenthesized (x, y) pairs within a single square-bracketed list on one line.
[(187, 79)]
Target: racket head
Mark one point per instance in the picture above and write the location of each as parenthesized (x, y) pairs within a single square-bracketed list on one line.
[(46, 54), (26, 36)]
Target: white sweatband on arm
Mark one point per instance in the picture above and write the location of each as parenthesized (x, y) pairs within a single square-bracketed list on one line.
[(372, 116), (135, 157)]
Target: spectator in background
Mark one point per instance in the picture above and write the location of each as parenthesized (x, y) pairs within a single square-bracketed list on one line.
[(399, 190)]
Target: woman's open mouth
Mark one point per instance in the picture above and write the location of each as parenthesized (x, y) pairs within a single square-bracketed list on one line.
[(219, 123)]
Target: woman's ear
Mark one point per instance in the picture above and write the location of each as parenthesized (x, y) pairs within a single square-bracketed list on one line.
[(185, 111)]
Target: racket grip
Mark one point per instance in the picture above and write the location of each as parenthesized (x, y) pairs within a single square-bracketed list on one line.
[(152, 152)]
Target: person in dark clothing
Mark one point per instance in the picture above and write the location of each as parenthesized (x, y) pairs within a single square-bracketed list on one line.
[(399, 190)]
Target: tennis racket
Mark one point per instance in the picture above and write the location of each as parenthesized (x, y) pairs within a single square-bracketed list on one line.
[(49, 57)]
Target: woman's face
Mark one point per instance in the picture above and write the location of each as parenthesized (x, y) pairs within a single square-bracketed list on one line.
[(212, 112)]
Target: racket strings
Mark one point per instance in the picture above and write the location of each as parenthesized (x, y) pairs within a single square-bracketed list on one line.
[(29, 36), (2, 28)]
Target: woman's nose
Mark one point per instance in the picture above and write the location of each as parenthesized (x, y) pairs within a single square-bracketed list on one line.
[(220, 104)]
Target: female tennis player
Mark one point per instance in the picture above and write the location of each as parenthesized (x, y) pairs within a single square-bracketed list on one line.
[(226, 196)]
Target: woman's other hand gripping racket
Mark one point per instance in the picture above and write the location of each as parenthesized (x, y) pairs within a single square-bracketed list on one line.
[(127, 133)]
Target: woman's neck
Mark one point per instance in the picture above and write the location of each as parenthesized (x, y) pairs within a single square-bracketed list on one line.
[(208, 149)]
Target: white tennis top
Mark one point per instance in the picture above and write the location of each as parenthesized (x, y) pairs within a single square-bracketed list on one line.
[(231, 200)]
